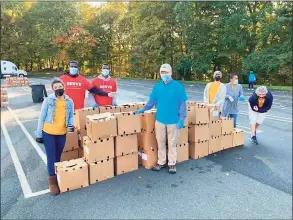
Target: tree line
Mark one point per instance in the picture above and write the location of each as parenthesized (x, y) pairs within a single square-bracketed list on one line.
[(135, 38)]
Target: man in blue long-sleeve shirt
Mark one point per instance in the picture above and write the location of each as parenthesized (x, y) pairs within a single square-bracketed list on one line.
[(170, 98)]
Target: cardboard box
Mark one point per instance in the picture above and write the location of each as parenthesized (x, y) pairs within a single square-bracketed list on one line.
[(183, 135), (148, 119), (215, 144), (227, 125), (125, 144), (226, 141), (215, 128), (182, 152), (238, 137), (109, 108), (101, 126), (3, 91), (80, 152), (128, 123), (4, 98), (71, 141), (191, 103), (147, 140), (101, 149), (81, 134), (148, 158), (126, 163), (69, 155), (100, 171), (198, 133), (80, 117), (127, 108), (198, 149), (4, 104), (72, 175), (139, 105), (197, 113)]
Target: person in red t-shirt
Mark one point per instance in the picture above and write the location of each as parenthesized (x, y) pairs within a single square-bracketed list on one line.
[(76, 85), (106, 84)]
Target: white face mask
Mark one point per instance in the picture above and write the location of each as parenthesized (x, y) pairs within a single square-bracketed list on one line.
[(105, 72), (235, 82)]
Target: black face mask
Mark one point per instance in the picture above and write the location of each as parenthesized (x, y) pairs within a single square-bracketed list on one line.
[(59, 92), (217, 78)]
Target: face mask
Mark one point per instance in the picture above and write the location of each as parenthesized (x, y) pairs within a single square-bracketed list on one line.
[(217, 78), (235, 82), (165, 77), (59, 92), (105, 72), (73, 71)]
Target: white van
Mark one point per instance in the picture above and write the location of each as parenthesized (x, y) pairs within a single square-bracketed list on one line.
[(10, 69)]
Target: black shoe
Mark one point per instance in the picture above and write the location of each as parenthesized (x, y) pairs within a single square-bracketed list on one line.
[(254, 140), (172, 169), (158, 167)]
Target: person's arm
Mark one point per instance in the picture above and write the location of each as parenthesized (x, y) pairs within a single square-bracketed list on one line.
[(206, 93), (241, 91), (44, 110), (97, 91), (71, 114), (91, 88), (268, 104), (150, 103), (251, 101), (221, 96)]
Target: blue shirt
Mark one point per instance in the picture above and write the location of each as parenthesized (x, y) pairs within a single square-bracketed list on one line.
[(170, 101), (252, 77)]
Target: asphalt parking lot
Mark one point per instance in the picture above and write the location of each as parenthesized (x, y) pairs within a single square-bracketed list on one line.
[(250, 182)]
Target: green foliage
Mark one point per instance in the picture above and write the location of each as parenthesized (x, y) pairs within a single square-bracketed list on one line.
[(135, 38)]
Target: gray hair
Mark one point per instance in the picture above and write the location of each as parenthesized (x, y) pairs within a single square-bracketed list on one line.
[(217, 72), (261, 89)]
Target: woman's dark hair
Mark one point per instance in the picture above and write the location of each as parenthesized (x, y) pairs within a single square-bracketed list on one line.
[(56, 81), (232, 75)]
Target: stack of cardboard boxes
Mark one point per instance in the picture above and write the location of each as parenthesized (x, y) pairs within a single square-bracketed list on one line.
[(147, 142), (4, 97), (117, 141), (17, 81)]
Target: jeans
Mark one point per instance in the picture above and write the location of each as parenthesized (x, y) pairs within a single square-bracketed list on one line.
[(54, 145), (250, 85), (234, 116)]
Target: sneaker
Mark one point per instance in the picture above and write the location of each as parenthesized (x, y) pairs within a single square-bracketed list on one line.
[(172, 169), (158, 167), (253, 140)]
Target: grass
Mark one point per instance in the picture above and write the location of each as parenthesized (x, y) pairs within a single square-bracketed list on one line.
[(57, 74)]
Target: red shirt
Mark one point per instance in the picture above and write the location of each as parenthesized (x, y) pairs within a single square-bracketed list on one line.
[(75, 88), (106, 86)]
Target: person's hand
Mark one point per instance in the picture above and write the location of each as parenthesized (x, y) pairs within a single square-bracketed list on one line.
[(230, 98), (112, 94), (255, 108), (180, 124), (241, 98), (114, 104), (137, 112), (39, 140), (95, 106), (70, 128)]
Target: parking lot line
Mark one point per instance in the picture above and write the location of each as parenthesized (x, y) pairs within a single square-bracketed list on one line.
[(38, 193), (30, 138), (247, 129), (26, 189)]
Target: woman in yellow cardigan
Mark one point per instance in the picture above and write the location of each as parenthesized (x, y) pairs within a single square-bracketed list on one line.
[(56, 119)]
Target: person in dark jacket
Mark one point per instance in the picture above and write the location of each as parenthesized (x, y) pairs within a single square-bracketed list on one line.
[(258, 104)]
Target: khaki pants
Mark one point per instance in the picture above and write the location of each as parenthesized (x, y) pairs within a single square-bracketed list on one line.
[(172, 135)]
